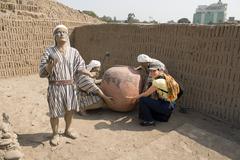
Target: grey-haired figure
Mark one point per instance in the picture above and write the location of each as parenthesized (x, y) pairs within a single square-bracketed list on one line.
[(59, 64), (144, 61), (90, 95)]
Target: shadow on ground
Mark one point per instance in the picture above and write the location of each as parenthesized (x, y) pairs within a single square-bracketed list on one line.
[(123, 121), (206, 131), (33, 140)]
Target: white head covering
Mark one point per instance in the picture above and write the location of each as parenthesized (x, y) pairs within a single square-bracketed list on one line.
[(162, 65), (143, 58), (93, 64), (55, 29), (60, 26)]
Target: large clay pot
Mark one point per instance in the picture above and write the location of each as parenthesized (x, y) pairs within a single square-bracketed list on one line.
[(120, 82)]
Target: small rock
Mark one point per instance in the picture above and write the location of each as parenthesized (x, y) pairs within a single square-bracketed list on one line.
[(13, 135), (6, 136), (68, 142), (5, 118), (5, 142), (13, 146), (5, 127), (2, 153), (13, 155)]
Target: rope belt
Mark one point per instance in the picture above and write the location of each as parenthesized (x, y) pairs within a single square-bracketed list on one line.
[(61, 82)]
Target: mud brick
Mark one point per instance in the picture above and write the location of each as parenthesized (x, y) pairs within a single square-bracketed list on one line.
[(228, 32), (236, 115), (237, 76)]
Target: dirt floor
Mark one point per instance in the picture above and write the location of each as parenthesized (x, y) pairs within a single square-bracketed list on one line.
[(106, 135)]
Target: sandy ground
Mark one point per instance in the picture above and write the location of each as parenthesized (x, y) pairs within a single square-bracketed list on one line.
[(103, 134)]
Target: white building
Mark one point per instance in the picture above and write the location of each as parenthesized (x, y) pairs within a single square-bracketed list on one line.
[(214, 13)]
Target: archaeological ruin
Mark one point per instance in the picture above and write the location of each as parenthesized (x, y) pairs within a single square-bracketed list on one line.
[(205, 59)]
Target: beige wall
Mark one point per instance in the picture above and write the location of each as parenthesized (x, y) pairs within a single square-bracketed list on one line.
[(22, 42), (205, 59)]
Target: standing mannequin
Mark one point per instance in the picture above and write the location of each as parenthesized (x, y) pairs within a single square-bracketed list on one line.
[(60, 64)]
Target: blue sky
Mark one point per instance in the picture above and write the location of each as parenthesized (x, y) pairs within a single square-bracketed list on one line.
[(159, 10)]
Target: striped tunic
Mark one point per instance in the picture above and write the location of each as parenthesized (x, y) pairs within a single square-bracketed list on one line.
[(61, 97), (86, 92)]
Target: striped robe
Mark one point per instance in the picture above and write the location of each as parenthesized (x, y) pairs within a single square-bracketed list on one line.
[(86, 92), (61, 97)]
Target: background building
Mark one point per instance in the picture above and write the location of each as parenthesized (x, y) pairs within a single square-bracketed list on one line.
[(214, 13)]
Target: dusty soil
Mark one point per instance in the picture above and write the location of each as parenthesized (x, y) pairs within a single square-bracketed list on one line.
[(104, 134)]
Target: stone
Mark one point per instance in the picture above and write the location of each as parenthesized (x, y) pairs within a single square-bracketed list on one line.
[(5, 127), (5, 142), (6, 136), (13, 155), (13, 146)]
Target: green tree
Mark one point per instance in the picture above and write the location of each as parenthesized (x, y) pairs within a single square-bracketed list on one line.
[(90, 13), (183, 20), (106, 19), (131, 18), (114, 19), (153, 21)]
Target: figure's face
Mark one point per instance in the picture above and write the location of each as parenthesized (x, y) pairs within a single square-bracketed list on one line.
[(61, 35), (154, 73), (144, 64), (96, 70)]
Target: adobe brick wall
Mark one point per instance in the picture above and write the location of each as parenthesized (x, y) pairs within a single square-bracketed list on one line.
[(26, 30), (205, 59), (22, 42)]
